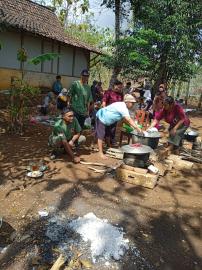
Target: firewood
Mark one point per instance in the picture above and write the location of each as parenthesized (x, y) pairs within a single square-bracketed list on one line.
[(58, 263)]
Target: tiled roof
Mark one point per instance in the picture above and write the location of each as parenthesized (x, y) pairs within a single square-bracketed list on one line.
[(37, 19)]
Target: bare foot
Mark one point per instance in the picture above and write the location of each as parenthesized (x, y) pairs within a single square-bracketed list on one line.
[(103, 156), (76, 159)]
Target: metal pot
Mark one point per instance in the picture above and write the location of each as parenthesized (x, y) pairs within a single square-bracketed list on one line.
[(191, 135), (136, 155), (150, 140)]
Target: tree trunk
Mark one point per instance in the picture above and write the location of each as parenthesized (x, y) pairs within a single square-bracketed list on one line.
[(187, 92), (116, 70), (135, 10), (179, 89), (162, 70), (200, 100), (172, 92), (117, 19)]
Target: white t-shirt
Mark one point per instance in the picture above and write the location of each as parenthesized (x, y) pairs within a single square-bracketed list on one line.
[(113, 113), (147, 94)]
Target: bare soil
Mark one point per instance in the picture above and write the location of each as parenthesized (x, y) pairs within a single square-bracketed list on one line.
[(163, 223)]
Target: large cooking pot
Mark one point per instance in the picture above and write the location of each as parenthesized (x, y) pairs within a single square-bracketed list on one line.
[(191, 135), (136, 155), (147, 138)]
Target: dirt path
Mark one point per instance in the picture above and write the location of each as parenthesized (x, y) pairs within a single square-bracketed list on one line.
[(164, 224)]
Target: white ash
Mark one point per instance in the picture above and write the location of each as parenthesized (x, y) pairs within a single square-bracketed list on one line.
[(106, 240)]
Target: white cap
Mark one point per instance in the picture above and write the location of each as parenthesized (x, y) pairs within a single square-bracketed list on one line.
[(129, 98)]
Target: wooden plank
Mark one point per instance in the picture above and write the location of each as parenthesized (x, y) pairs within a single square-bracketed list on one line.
[(183, 165), (161, 167), (135, 169), (169, 163), (174, 158), (146, 180), (180, 164)]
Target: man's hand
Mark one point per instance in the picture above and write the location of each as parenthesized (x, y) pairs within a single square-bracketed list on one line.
[(71, 143), (139, 130)]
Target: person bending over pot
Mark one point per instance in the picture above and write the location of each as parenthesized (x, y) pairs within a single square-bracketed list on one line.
[(174, 115), (66, 134), (112, 114)]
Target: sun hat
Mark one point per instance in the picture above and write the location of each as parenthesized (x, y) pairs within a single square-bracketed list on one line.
[(129, 98)]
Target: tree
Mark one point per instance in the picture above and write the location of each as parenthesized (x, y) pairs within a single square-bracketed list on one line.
[(68, 10), (164, 42), (116, 5)]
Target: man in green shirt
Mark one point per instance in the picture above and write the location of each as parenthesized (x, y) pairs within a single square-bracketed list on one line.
[(80, 97), (66, 133)]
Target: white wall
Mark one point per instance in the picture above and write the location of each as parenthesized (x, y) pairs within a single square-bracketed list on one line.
[(11, 42), (81, 62), (66, 60), (33, 46), (47, 48), (55, 61)]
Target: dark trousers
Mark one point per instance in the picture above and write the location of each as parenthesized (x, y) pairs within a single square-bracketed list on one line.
[(111, 132), (81, 119)]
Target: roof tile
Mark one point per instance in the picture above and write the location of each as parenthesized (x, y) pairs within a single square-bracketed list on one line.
[(38, 19)]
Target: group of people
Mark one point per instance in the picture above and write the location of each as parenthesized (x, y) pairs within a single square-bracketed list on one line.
[(118, 103)]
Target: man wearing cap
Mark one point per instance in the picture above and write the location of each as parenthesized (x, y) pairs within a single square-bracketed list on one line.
[(111, 114), (80, 97), (66, 133)]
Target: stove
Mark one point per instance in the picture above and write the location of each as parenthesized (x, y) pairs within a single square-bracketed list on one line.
[(136, 155)]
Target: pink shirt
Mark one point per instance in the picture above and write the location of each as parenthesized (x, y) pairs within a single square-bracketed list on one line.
[(174, 116), (111, 96)]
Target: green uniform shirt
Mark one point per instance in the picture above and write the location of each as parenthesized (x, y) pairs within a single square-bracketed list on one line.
[(80, 97), (66, 131)]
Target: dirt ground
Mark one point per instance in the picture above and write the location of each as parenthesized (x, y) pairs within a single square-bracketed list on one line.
[(163, 223)]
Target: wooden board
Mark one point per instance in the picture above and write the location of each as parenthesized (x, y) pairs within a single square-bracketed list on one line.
[(146, 180)]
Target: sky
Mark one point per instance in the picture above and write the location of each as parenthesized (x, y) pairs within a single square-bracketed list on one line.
[(103, 17)]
